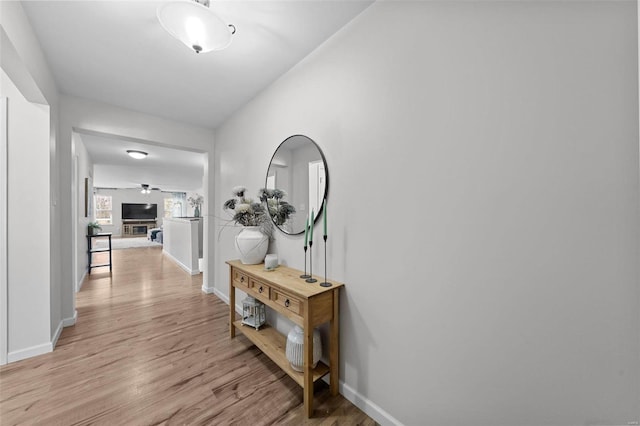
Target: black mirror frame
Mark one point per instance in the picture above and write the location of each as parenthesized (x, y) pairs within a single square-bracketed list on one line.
[(326, 185)]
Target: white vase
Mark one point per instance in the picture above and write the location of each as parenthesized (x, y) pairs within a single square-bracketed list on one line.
[(295, 348), (252, 245)]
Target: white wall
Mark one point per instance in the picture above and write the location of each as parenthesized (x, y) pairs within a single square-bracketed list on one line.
[(85, 170), (4, 329), (483, 206), (28, 250), (24, 62)]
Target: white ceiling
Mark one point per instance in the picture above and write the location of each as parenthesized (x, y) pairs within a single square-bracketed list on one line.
[(117, 52), (165, 168)]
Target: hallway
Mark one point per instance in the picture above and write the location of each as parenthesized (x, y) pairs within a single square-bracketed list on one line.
[(150, 348)]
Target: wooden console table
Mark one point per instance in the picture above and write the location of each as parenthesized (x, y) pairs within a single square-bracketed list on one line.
[(307, 305)]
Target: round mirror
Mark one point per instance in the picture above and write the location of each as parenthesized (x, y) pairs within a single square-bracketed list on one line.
[(298, 169)]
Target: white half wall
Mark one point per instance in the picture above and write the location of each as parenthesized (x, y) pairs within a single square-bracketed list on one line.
[(181, 241), (484, 206)]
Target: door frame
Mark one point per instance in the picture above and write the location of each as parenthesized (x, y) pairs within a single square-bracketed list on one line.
[(74, 219), (4, 314)]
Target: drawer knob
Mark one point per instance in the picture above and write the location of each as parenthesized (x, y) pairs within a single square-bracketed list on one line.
[(260, 289), (287, 303), (241, 279)]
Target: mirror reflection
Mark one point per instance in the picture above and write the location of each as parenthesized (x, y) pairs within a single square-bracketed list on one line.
[(299, 169)]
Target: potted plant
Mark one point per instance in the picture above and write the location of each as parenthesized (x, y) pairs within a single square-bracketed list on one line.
[(93, 228), (196, 202), (253, 241), (257, 220), (278, 208)]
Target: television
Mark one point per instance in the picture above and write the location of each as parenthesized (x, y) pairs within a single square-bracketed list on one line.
[(139, 211)]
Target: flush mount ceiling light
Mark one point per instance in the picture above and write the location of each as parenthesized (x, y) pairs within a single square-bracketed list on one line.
[(145, 189), (138, 155), (195, 25)]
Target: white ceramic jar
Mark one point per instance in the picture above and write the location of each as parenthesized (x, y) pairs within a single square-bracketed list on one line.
[(295, 348), (252, 245)]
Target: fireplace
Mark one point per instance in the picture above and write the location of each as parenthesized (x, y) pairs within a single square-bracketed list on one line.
[(137, 228)]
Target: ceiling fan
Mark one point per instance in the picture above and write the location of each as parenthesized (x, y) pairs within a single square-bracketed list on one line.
[(146, 189)]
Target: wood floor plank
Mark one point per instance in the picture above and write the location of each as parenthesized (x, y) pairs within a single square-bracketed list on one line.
[(149, 348)]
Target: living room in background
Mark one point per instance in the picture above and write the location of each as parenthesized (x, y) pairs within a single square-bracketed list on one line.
[(120, 196)]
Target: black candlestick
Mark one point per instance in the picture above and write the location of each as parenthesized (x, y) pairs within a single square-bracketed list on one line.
[(305, 275), (325, 283), (311, 279)]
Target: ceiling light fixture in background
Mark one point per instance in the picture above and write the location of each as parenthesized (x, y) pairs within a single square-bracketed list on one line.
[(138, 155), (195, 25), (145, 189)]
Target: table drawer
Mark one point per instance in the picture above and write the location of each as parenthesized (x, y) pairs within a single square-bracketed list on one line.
[(240, 279), (288, 302), (260, 288)]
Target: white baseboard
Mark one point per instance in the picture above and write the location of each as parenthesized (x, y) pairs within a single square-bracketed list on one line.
[(45, 347), (225, 299), (79, 283), (29, 352), (208, 290), (369, 407), (180, 264), (221, 295), (66, 322), (56, 335)]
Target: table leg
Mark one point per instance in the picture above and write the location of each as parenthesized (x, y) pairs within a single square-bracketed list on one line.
[(334, 345), (232, 305), (89, 256), (110, 259), (308, 362)]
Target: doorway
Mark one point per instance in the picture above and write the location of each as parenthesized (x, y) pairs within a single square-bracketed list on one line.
[(155, 180)]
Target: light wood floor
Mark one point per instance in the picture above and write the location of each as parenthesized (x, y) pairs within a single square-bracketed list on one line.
[(150, 348)]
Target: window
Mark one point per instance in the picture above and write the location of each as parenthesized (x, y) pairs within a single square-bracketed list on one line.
[(103, 209), (174, 206)]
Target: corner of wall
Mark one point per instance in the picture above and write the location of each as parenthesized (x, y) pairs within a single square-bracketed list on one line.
[(56, 334), (209, 290), (67, 322)]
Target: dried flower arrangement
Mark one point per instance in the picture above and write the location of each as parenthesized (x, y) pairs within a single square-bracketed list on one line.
[(246, 212), (279, 210), (196, 201)]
